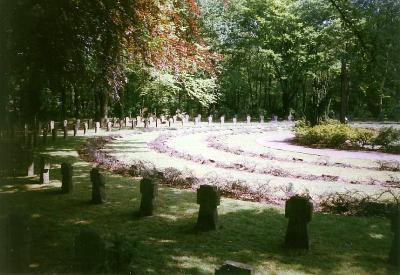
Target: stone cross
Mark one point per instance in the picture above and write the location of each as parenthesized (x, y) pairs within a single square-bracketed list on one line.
[(234, 268), (261, 119), (248, 119), (98, 186), (44, 170), (210, 120), (394, 255), (16, 245), (66, 172), (209, 199), (222, 119), (148, 190), (54, 133), (299, 211), (85, 128), (90, 252)]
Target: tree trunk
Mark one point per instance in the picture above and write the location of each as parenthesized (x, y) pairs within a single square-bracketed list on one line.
[(344, 95)]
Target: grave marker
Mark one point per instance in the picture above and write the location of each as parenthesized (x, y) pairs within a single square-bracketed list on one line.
[(44, 170), (90, 252), (209, 199), (97, 128), (98, 186), (148, 190), (234, 268), (210, 120), (66, 172), (51, 125), (299, 211)]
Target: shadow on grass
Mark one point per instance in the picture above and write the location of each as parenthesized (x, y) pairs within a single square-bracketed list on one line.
[(166, 242)]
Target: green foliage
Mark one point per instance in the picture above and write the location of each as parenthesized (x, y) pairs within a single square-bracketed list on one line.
[(387, 136), (332, 134)]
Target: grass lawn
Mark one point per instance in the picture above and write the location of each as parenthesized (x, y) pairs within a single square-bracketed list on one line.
[(166, 243)]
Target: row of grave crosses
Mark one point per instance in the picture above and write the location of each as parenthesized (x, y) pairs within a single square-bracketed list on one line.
[(150, 120)]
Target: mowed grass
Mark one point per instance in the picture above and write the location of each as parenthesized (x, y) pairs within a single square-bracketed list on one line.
[(166, 242)]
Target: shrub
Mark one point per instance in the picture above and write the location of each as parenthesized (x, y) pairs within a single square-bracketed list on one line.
[(363, 136), (332, 134), (387, 136)]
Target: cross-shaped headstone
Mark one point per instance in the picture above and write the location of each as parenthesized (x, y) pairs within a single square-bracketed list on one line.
[(90, 252), (298, 209), (209, 199), (66, 173), (98, 186), (148, 190)]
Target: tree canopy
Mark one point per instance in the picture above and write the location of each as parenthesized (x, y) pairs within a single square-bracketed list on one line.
[(315, 59)]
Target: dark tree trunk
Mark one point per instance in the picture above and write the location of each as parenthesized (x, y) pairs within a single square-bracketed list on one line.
[(344, 88), (103, 100)]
